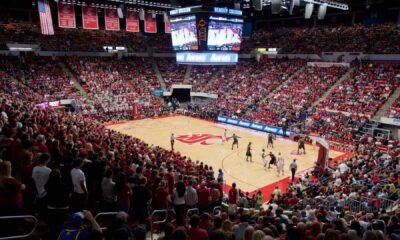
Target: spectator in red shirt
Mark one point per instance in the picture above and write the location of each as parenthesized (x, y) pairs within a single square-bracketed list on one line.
[(195, 232), (204, 196), (123, 192), (233, 195), (169, 177), (10, 191), (161, 196)]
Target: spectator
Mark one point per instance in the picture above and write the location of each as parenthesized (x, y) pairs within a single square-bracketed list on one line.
[(79, 194), (195, 232), (191, 197), (76, 229), (119, 228), (123, 193), (57, 201), (108, 192), (240, 228), (40, 175), (227, 230), (179, 200), (10, 191), (141, 199)]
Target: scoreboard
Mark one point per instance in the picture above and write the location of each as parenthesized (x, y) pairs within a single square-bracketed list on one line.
[(210, 33)]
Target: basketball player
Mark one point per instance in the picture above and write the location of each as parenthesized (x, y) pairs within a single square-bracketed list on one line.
[(235, 141), (281, 164), (248, 153), (224, 137), (301, 146), (263, 156), (272, 161), (270, 141), (172, 141)]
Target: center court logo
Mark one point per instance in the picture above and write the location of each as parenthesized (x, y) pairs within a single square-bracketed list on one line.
[(197, 138)]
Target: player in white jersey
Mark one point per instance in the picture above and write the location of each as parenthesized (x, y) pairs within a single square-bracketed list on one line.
[(263, 158), (280, 165), (224, 137)]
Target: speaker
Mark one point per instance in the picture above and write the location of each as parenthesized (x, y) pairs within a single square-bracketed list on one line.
[(165, 17), (141, 14), (120, 12), (322, 11), (309, 10), (276, 6), (294, 3), (257, 5)]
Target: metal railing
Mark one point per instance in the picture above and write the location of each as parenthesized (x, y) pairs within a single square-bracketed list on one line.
[(192, 211), (157, 212), (102, 214), (35, 224)]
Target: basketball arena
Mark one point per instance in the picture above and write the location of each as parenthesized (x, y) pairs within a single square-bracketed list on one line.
[(200, 120)]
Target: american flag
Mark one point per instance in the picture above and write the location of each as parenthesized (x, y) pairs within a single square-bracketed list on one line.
[(46, 23)]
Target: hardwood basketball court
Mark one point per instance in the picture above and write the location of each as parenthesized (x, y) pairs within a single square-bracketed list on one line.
[(201, 140)]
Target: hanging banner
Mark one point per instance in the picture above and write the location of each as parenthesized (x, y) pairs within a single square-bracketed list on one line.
[(111, 19), (89, 17), (66, 16), (132, 21), (167, 26), (150, 23)]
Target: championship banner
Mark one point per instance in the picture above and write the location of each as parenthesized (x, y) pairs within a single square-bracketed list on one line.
[(89, 17), (66, 15), (111, 19), (132, 21), (150, 23), (167, 26)]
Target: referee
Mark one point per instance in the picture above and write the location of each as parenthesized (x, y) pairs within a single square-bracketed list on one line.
[(293, 168)]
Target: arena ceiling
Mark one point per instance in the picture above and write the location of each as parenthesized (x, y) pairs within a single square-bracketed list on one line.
[(247, 5)]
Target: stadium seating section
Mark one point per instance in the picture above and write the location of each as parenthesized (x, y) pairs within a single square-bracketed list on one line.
[(356, 198)]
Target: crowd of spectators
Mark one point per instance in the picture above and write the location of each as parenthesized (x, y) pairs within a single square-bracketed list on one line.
[(394, 110), (368, 87), (42, 74), (171, 72), (357, 38), (56, 164), (381, 38), (68, 39), (200, 76), (116, 88)]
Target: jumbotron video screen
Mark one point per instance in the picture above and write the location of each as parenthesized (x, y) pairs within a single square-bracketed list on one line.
[(184, 33), (224, 34)]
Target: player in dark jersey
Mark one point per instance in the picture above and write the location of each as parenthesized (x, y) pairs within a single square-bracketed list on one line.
[(272, 161), (301, 146), (248, 153), (270, 141), (235, 141)]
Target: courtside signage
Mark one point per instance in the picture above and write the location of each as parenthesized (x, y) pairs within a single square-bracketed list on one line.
[(257, 126)]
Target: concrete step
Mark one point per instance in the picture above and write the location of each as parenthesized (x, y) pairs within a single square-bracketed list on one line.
[(327, 93), (186, 80), (389, 102), (158, 74), (75, 81)]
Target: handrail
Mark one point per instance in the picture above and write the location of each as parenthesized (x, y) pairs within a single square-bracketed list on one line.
[(20, 217), (191, 210), (217, 210), (104, 214), (159, 221)]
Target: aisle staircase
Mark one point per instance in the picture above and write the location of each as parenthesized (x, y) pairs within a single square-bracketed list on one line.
[(158, 74), (345, 76), (283, 83), (186, 80), (75, 81), (389, 102)]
